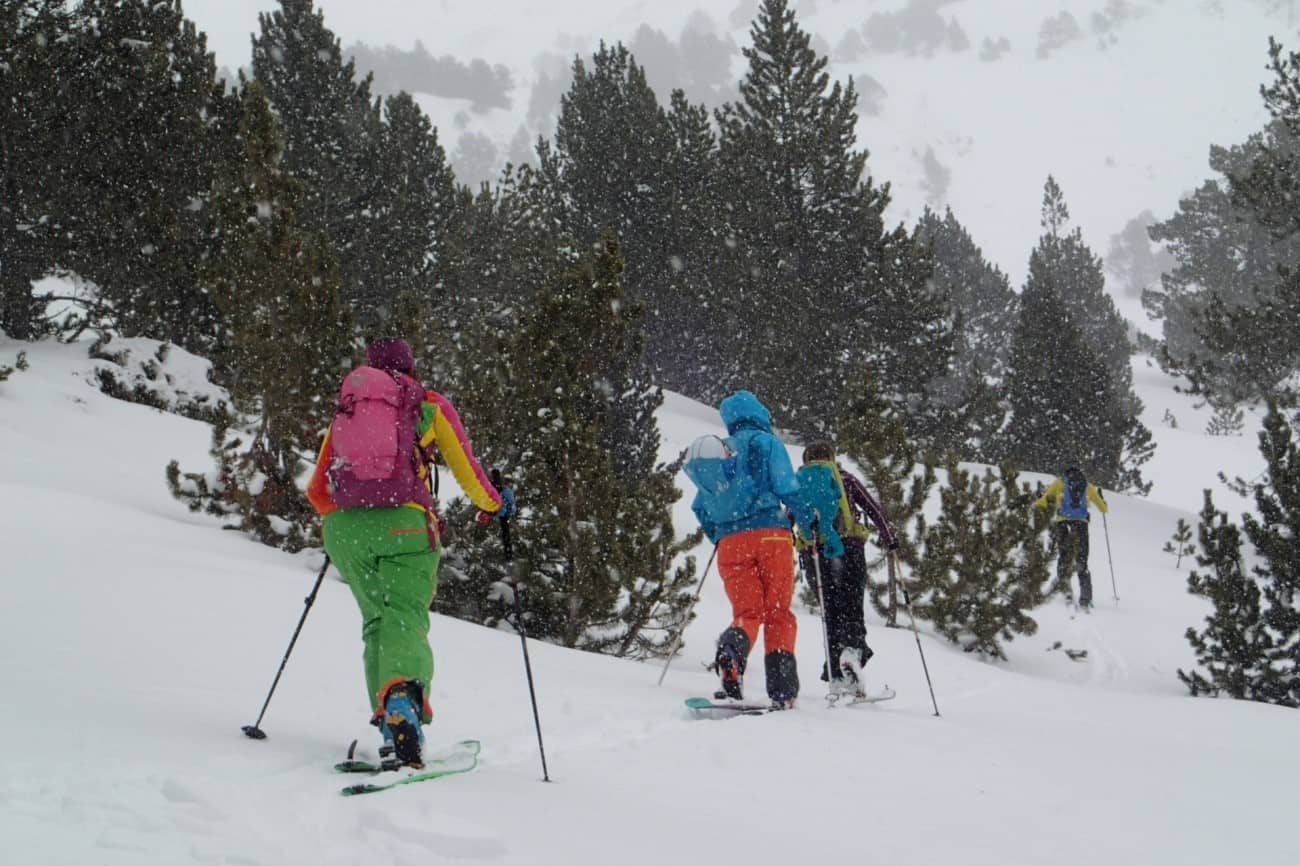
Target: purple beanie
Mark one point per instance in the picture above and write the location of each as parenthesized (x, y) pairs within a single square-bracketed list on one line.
[(392, 354)]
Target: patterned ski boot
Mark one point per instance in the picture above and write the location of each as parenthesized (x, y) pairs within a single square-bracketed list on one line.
[(401, 726), (729, 662), (851, 664), (728, 668)]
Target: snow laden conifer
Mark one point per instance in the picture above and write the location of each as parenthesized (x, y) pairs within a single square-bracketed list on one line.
[(1230, 307), (34, 109), (1180, 543), (20, 364), (109, 157), (872, 435), (985, 314), (287, 341), (624, 162), (983, 562), (333, 142), (1250, 647), (1273, 528), (1232, 647), (823, 287), (572, 415), (412, 207), (1066, 404)]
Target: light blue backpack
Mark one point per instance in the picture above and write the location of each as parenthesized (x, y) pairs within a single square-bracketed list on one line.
[(719, 469), (819, 489)]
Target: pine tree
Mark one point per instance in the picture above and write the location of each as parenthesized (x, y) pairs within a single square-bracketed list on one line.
[(984, 564), (412, 196), (1228, 420), (1180, 544), (612, 143), (117, 154), (333, 135), (686, 316), (818, 285), (157, 127), (978, 290), (33, 110), (1232, 649), (1217, 327), (277, 289), (1080, 280), (1060, 394), (1232, 307), (985, 314), (1274, 532), (1066, 407), (626, 165), (595, 540), (872, 434)]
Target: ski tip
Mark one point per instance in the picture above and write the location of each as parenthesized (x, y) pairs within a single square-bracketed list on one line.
[(350, 790), (699, 703)]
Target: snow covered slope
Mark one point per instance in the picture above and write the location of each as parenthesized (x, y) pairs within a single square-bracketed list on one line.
[(136, 639), (1123, 114)]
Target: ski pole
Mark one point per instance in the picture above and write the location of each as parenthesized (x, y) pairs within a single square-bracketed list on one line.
[(907, 600), (1105, 526), (826, 633), (677, 639), (254, 731), (519, 627)]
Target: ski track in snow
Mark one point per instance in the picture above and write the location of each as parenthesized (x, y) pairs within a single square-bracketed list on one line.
[(136, 639)]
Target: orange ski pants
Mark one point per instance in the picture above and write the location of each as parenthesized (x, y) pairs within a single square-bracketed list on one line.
[(757, 569)]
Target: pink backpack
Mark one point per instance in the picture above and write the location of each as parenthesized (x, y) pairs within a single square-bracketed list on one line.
[(376, 454)]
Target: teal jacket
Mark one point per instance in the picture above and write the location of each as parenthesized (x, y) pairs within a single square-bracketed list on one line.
[(749, 424)]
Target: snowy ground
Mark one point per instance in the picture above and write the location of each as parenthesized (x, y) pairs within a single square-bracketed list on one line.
[(136, 639)]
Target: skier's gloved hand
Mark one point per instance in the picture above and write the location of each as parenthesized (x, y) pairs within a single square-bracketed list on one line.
[(483, 518)]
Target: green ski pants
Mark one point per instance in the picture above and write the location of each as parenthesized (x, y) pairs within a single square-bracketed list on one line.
[(384, 554)]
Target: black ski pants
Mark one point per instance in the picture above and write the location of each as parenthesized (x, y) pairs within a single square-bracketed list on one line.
[(844, 587), (1072, 543)]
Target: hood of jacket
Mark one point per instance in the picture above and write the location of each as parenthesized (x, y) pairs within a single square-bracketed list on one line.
[(741, 408)]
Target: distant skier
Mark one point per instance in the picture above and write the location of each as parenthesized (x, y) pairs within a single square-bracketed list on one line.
[(844, 577), (382, 530), (1070, 496), (743, 482)]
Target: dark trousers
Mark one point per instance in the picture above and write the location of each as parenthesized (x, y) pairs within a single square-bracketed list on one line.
[(1072, 543), (844, 587)]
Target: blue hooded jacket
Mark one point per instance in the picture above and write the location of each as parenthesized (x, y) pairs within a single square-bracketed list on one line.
[(749, 424)]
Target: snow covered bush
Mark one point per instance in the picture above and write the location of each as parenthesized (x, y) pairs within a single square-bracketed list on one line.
[(20, 363), (984, 561), (156, 374)]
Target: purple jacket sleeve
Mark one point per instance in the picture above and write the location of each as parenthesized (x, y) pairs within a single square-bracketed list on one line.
[(861, 500)]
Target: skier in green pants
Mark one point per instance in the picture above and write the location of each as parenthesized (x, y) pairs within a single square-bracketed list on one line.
[(382, 531)]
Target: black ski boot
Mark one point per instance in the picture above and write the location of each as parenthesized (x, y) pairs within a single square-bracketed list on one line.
[(1085, 590), (782, 679)]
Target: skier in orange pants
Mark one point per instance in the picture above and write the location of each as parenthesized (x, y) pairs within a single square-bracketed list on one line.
[(742, 488)]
